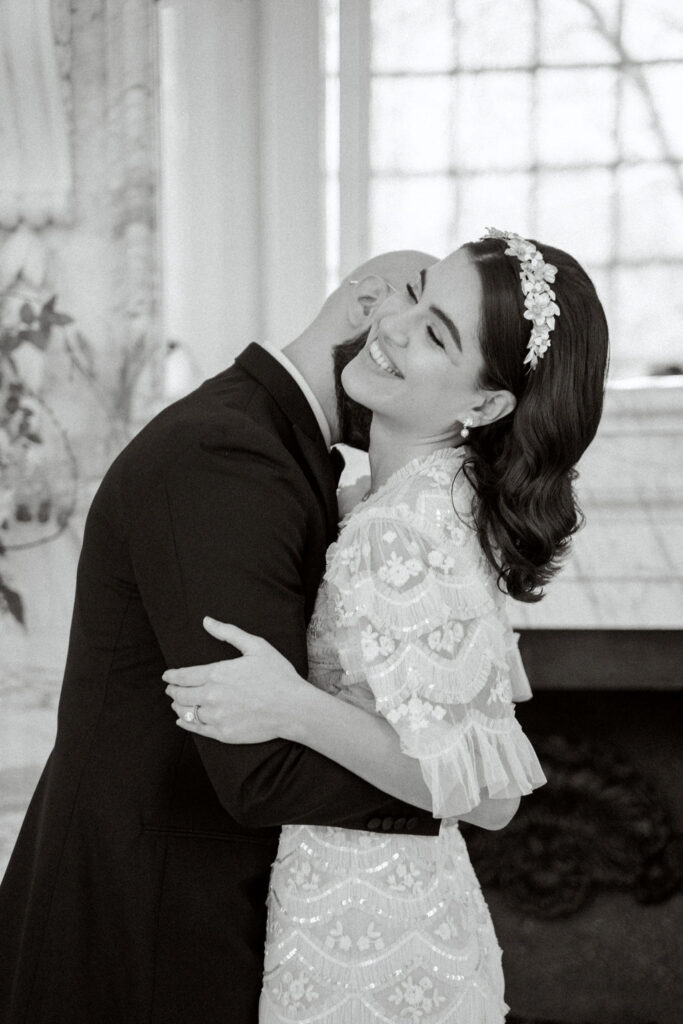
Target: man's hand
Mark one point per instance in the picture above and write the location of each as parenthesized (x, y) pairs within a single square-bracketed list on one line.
[(251, 699)]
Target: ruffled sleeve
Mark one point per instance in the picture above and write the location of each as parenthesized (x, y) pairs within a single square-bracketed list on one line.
[(424, 626)]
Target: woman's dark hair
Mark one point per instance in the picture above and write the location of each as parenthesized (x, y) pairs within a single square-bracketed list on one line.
[(522, 466)]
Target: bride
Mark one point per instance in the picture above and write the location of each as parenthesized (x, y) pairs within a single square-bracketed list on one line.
[(485, 381)]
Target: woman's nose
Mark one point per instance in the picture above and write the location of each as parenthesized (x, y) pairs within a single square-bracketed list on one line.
[(395, 329)]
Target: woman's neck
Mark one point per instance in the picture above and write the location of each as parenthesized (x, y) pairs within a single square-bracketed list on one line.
[(389, 452)]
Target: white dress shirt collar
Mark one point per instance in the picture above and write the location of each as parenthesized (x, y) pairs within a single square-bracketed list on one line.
[(315, 405)]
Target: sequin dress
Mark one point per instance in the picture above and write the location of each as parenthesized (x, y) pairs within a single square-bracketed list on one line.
[(368, 927)]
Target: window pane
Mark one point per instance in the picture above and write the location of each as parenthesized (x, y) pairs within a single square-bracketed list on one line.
[(586, 153), (413, 213), (576, 116), (492, 200), (493, 120), (646, 330), (651, 212), (494, 33), (411, 123), (404, 39), (666, 87), (601, 278), (653, 28), (570, 35), (575, 213), (637, 137)]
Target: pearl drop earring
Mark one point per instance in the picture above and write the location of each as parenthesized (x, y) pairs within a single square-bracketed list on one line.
[(465, 432)]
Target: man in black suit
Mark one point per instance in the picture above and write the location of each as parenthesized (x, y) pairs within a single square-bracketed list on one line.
[(136, 891)]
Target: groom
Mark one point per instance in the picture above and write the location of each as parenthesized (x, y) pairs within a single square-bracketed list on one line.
[(136, 891)]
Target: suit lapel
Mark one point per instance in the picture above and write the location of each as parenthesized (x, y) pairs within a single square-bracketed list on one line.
[(258, 363)]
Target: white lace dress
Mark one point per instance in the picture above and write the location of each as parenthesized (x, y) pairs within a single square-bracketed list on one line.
[(374, 927)]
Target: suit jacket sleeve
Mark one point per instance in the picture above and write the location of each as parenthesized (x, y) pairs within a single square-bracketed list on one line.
[(223, 534)]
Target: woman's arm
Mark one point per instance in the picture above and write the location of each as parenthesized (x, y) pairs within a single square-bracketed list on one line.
[(358, 740), (368, 746)]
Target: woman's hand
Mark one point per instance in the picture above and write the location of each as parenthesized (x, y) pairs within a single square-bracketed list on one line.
[(251, 699)]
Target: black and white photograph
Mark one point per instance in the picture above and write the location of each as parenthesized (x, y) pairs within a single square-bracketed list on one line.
[(341, 511)]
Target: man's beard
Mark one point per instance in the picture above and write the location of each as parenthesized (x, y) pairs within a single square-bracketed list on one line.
[(354, 419)]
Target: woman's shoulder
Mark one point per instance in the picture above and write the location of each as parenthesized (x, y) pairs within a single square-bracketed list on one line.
[(431, 492), (429, 500), (412, 547)]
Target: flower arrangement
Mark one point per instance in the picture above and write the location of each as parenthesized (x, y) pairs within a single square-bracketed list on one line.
[(24, 422)]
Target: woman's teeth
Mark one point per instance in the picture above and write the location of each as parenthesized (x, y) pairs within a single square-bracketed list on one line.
[(378, 357)]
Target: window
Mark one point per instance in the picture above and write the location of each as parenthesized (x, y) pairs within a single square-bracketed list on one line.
[(559, 119)]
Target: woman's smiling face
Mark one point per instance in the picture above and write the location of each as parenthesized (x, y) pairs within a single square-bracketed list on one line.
[(420, 367)]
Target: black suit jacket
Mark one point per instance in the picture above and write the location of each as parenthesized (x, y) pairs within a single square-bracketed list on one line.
[(136, 891)]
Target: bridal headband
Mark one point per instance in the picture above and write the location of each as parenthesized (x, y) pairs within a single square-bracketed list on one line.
[(536, 276)]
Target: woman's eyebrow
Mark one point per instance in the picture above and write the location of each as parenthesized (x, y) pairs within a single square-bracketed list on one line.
[(445, 319)]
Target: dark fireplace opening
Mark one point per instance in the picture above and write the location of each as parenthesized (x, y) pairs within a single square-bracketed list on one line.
[(584, 885)]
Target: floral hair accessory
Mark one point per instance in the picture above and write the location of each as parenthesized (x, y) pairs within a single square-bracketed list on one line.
[(536, 276)]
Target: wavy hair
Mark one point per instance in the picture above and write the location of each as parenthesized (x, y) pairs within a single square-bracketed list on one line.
[(522, 467)]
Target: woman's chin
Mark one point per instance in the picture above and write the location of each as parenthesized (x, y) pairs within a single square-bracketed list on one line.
[(366, 384), (355, 382)]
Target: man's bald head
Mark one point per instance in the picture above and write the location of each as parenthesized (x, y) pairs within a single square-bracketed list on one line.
[(395, 268)]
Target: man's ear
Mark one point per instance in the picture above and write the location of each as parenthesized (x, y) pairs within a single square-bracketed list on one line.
[(363, 298), (494, 406)]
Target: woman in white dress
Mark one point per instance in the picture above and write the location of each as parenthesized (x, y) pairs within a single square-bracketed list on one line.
[(477, 425)]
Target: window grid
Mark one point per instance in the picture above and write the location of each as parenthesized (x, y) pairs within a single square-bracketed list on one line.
[(537, 166), (537, 169)]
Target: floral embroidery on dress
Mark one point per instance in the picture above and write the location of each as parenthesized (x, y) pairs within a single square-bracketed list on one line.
[(419, 999), (439, 476), (500, 691), (446, 638), (373, 644), (336, 938), (295, 991), (447, 929), (398, 571), (417, 713), (302, 876), (348, 555), (438, 560), (373, 938), (406, 878), (457, 534)]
